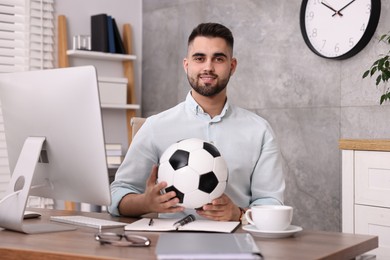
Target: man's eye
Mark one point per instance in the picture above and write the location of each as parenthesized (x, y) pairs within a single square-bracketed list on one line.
[(219, 59), (198, 59)]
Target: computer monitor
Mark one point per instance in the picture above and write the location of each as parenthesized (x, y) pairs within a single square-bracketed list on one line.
[(55, 141)]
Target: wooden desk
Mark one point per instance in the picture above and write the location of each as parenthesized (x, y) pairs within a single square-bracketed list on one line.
[(80, 244)]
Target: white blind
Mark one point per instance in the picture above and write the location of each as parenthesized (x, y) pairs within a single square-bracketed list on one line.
[(26, 43)]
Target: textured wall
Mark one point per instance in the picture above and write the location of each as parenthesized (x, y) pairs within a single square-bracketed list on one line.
[(311, 102)]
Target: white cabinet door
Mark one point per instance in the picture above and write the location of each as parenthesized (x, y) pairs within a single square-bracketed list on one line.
[(372, 178), (374, 221)]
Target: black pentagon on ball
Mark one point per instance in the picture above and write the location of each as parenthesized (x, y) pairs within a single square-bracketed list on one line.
[(179, 159), (208, 182), (179, 194), (211, 149)]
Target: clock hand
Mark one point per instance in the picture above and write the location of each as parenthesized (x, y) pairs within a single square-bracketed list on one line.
[(344, 7), (331, 8)]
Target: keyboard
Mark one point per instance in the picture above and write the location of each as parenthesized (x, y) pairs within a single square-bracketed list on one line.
[(88, 221)]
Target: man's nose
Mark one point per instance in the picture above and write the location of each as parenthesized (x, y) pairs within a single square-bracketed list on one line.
[(208, 65)]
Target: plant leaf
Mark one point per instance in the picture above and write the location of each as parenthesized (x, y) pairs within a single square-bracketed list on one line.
[(373, 70), (385, 97), (382, 99), (378, 80), (387, 74), (382, 37)]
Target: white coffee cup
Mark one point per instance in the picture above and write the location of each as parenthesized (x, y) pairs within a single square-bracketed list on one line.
[(270, 217)]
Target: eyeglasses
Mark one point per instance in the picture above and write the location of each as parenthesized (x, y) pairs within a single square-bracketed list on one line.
[(116, 239)]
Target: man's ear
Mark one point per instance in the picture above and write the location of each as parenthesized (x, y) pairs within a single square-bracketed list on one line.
[(233, 66), (185, 64)]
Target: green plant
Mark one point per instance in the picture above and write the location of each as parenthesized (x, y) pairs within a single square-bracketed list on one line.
[(382, 68)]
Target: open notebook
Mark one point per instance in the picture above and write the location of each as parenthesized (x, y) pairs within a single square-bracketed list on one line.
[(197, 225)]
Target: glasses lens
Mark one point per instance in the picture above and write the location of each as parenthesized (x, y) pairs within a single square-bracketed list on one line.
[(137, 240), (116, 239), (108, 237)]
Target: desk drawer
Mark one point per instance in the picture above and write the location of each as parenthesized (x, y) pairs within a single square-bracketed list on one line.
[(372, 178), (374, 221)]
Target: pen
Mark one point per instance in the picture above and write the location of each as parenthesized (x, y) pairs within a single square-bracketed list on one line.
[(183, 221), (151, 222)]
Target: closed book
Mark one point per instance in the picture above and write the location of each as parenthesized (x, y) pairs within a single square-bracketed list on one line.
[(114, 160), (99, 33), (207, 246), (110, 35), (114, 153), (113, 146), (120, 48)]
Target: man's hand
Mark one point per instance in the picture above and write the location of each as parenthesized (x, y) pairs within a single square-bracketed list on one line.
[(151, 201), (222, 209), (157, 202)]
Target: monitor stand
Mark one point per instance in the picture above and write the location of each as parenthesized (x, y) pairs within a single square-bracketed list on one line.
[(13, 205)]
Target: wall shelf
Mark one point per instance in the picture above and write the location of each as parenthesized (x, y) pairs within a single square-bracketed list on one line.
[(120, 106), (100, 55)]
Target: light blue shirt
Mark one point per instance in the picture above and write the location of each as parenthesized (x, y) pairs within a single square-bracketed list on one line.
[(244, 139)]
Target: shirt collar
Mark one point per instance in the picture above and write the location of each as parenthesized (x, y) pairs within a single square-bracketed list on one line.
[(198, 110)]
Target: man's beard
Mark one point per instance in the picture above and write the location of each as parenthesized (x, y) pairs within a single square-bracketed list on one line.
[(207, 90)]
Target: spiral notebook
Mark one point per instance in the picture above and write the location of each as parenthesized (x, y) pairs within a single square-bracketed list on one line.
[(165, 224)]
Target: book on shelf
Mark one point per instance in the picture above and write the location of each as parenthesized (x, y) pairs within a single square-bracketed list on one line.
[(119, 46), (110, 35), (114, 154), (114, 160), (113, 146), (99, 33), (105, 35), (207, 246)]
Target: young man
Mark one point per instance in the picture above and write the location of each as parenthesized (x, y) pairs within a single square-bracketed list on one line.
[(244, 139)]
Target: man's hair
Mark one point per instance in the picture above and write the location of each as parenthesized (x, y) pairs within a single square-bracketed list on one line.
[(212, 30)]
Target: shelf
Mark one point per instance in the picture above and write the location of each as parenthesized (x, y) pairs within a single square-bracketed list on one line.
[(120, 106), (100, 55)]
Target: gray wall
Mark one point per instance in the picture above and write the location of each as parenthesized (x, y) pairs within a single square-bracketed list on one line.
[(311, 102)]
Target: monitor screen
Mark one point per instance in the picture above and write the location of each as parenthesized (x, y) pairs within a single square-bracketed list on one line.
[(61, 106)]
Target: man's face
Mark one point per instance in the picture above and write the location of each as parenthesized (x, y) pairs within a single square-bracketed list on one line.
[(209, 65)]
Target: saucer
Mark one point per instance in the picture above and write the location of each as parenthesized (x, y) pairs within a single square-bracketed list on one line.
[(291, 230)]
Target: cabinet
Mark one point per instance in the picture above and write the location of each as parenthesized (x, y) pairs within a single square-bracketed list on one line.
[(101, 59), (366, 190)]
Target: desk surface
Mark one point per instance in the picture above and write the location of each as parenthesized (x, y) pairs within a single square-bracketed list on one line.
[(80, 244)]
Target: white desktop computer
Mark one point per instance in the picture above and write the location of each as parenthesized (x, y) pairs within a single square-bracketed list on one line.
[(55, 141)]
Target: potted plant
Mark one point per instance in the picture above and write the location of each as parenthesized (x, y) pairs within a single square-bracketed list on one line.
[(381, 68)]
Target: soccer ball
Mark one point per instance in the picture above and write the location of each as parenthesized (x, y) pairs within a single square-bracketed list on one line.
[(195, 170)]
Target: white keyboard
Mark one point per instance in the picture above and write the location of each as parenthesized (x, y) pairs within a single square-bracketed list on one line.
[(88, 221)]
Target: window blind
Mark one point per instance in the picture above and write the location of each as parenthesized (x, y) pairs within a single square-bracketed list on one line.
[(26, 43)]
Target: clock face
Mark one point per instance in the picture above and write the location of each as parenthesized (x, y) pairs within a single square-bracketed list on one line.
[(338, 29)]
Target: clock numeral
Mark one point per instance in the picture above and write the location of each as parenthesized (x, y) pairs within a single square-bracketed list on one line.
[(336, 48), (310, 16), (363, 28), (314, 33), (323, 44), (368, 11), (351, 42)]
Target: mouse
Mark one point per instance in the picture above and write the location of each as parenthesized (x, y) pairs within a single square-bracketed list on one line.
[(31, 214)]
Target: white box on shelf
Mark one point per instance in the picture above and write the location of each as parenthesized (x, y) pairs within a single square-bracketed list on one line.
[(113, 90)]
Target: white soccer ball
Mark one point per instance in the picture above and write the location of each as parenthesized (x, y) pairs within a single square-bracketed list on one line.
[(195, 170)]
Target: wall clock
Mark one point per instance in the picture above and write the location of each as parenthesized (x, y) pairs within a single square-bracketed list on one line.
[(338, 29)]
